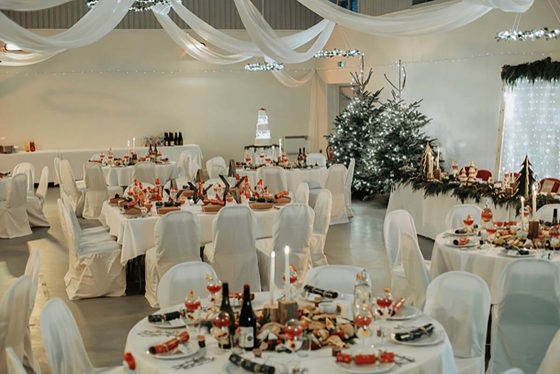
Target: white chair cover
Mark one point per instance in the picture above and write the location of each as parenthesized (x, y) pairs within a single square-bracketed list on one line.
[(458, 213), (14, 221), (32, 271), (232, 251), (341, 278), (94, 268), (96, 190), (274, 178), (321, 224), (28, 169), (14, 364), (348, 187), (14, 317), (302, 193), (90, 234), (551, 362), (545, 212), (396, 223), (414, 270), (187, 167), (336, 179), (177, 238), (34, 204), (526, 317), (70, 188), (180, 279), (293, 228), (515, 371), (63, 343), (57, 175), (316, 159), (460, 301), (216, 166), (145, 172), (43, 186)]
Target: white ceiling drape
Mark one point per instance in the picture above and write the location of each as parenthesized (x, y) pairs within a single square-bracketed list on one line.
[(30, 4), (424, 20)]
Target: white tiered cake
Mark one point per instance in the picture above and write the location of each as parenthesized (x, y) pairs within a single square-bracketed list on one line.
[(262, 136)]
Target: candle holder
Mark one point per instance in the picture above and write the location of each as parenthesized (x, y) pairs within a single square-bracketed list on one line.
[(287, 309), (271, 313), (533, 231)]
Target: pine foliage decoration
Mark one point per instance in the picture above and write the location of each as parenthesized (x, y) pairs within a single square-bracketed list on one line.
[(525, 179), (355, 131)]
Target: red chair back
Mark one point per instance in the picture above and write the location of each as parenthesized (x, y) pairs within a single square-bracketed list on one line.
[(483, 174), (549, 185)]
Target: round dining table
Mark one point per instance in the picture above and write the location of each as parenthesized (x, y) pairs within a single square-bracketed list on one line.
[(436, 357), (316, 177), (124, 175), (486, 261)]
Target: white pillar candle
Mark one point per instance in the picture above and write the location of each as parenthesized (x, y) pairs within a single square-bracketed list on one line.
[(128, 145), (287, 272), (271, 275), (280, 144), (133, 144), (437, 159), (522, 212), (534, 187)]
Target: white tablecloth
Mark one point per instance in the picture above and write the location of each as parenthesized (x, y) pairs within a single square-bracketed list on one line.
[(486, 263), (4, 183), (429, 359), (123, 175), (316, 177), (429, 212), (136, 235), (39, 159)]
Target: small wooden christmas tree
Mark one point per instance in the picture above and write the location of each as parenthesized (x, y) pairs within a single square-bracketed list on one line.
[(525, 179), (428, 162)]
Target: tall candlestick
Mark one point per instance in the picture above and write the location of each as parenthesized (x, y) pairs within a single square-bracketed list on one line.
[(522, 212), (280, 144), (128, 145), (271, 275), (133, 144), (287, 272), (437, 159), (534, 188)]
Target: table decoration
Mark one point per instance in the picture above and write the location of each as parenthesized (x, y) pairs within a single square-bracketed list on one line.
[(174, 348), (366, 363)]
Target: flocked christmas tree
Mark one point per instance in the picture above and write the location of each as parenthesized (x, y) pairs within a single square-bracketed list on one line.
[(355, 130), (400, 141), (525, 179)]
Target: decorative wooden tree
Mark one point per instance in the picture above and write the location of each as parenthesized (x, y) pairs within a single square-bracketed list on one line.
[(525, 179)]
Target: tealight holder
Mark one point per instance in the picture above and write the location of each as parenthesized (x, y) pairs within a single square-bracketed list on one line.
[(287, 309)]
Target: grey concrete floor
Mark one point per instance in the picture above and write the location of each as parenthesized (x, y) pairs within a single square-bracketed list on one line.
[(104, 322)]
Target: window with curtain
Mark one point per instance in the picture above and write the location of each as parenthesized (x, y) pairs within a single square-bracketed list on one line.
[(531, 124)]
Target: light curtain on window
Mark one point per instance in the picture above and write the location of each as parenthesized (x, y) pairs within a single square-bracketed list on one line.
[(532, 126), (424, 20)]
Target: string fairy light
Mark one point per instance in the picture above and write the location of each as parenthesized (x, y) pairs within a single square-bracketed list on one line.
[(269, 66), (137, 6), (514, 34), (337, 53)]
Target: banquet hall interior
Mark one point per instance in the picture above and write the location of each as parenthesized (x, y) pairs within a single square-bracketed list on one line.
[(401, 155)]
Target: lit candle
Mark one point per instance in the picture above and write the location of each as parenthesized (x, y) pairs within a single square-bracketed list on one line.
[(437, 159), (534, 187), (522, 212), (280, 144), (133, 144), (128, 145), (286, 272), (271, 275)]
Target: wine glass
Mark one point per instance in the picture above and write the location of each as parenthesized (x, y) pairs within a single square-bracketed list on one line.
[(293, 329), (192, 303), (293, 279), (384, 304), (362, 319), (214, 286), (221, 321)]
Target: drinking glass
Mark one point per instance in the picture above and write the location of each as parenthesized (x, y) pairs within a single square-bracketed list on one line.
[(293, 329), (192, 303), (214, 286), (221, 321), (362, 319), (383, 310)]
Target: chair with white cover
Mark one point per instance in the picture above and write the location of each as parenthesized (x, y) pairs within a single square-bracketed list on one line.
[(63, 342), (316, 159), (177, 240), (177, 281), (515, 371), (274, 178), (458, 213), (396, 223), (90, 234), (13, 362), (460, 301), (232, 251), (28, 169), (215, 167), (70, 188), (57, 176), (187, 167), (32, 271), (302, 193), (14, 318), (551, 362), (145, 172), (336, 180), (321, 225), (34, 204), (414, 269), (292, 228), (94, 267), (341, 278), (348, 187), (97, 190), (14, 221), (526, 316), (545, 212)]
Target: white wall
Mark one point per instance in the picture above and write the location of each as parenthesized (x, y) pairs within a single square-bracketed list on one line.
[(137, 83), (457, 74)]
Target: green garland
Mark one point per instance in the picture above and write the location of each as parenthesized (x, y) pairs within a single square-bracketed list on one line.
[(543, 69)]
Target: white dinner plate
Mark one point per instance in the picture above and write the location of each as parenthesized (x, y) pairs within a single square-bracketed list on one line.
[(365, 369), (473, 242), (183, 351), (173, 324), (515, 254), (406, 312), (452, 233), (437, 337)]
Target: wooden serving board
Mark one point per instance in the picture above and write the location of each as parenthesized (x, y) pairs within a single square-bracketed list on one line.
[(166, 209), (283, 200), (260, 206), (132, 211), (211, 208)]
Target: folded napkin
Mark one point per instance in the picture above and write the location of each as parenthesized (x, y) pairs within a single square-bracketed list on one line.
[(154, 318), (415, 334), (251, 366), (170, 345), (318, 291)]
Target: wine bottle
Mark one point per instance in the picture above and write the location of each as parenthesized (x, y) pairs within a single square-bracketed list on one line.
[(226, 307), (247, 322), (555, 217), (304, 157), (180, 138), (150, 151), (165, 138), (175, 139)]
